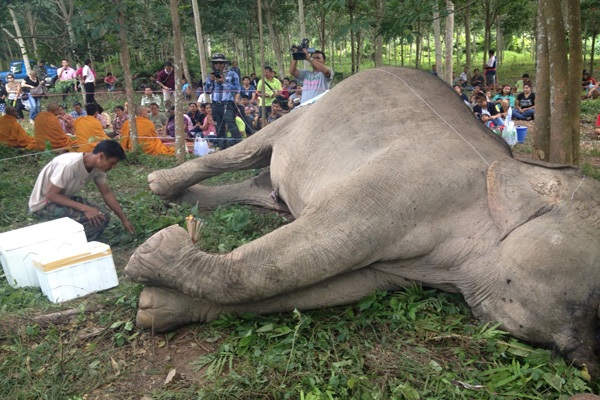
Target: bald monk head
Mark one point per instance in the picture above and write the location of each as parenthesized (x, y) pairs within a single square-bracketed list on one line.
[(141, 111), (53, 108), (12, 112)]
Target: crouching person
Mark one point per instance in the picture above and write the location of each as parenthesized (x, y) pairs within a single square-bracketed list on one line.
[(53, 195)]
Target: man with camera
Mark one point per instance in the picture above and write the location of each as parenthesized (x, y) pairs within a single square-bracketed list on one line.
[(315, 82), (226, 85)]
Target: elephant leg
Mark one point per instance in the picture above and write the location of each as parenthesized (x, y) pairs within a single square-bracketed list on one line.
[(256, 191), (162, 309), (309, 250), (254, 152)]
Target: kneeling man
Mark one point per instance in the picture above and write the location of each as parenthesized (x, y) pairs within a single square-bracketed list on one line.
[(54, 192)]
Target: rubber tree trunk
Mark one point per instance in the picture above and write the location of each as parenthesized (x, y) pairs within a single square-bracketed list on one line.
[(125, 64), (199, 39), (180, 147), (438, 42), (19, 39), (449, 42), (379, 10)]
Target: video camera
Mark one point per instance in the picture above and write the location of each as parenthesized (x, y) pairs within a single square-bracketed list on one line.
[(297, 51)]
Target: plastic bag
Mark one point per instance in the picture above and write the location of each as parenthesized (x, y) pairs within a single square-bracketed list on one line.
[(200, 147), (509, 134)]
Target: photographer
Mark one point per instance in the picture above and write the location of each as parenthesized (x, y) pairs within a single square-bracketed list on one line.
[(314, 82), (226, 85)]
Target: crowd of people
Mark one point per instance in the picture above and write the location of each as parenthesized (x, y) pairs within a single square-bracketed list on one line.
[(229, 106), (495, 104)]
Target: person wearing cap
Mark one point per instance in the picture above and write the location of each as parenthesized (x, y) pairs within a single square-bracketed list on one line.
[(226, 85), (41, 71)]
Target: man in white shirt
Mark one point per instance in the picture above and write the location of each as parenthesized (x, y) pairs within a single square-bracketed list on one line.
[(53, 194), (89, 81)]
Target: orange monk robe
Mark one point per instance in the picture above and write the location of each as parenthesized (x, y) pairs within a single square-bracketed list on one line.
[(13, 134), (88, 133), (47, 128), (147, 138)]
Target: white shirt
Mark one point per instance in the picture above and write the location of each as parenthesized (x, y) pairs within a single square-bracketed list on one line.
[(89, 75)]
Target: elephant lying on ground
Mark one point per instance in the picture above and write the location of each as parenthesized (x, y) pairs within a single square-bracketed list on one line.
[(391, 181)]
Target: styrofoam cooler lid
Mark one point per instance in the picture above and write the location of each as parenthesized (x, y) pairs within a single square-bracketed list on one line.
[(52, 229), (57, 259)]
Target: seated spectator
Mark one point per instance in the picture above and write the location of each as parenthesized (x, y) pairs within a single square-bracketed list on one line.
[(78, 111), (248, 90), (464, 76), (149, 98), (48, 130), (158, 119), (103, 117), (433, 70), (285, 89), (187, 124), (197, 118), (597, 130), (504, 99), (12, 133), (473, 97), (66, 120), (520, 83), (147, 137), (120, 118), (209, 129), (525, 107), (295, 98), (477, 79), (458, 90), (487, 112), (110, 81), (88, 130), (275, 113)]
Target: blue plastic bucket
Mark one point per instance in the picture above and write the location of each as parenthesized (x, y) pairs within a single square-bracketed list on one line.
[(521, 133)]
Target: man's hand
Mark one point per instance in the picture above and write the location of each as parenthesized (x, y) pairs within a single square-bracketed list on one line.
[(129, 226), (95, 216)]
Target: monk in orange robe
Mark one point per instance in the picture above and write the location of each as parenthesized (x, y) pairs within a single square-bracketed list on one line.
[(147, 136), (12, 133), (88, 129), (48, 129)]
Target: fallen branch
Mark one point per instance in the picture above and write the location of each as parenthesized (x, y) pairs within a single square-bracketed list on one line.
[(65, 316)]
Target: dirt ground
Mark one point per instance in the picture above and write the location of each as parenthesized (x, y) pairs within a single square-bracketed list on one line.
[(153, 359)]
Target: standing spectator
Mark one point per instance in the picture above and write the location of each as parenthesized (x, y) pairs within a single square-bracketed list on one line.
[(166, 80), (186, 89), (236, 69), (41, 71), (271, 87), (89, 81), (13, 91), (253, 80), (525, 107), (31, 81), (110, 81), (66, 74), (490, 70), (2, 98), (317, 81), (226, 88)]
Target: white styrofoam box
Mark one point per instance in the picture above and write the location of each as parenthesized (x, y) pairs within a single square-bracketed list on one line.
[(19, 246), (67, 275)]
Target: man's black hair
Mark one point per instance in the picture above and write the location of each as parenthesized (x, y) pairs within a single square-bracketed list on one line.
[(91, 109), (87, 61), (244, 77), (268, 68), (244, 96), (321, 53), (111, 149), (77, 104), (168, 64), (120, 108)]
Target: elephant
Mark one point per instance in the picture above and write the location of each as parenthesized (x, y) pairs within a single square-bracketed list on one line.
[(391, 182)]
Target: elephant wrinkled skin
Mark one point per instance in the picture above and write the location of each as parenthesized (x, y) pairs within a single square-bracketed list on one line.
[(391, 181)]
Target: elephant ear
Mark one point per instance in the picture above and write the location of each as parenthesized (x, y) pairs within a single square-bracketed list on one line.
[(519, 191)]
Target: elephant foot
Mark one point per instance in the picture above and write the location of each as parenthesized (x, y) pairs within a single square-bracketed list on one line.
[(152, 261), (163, 184), (163, 310)]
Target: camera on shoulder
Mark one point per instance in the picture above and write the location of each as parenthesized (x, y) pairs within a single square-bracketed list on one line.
[(298, 50)]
